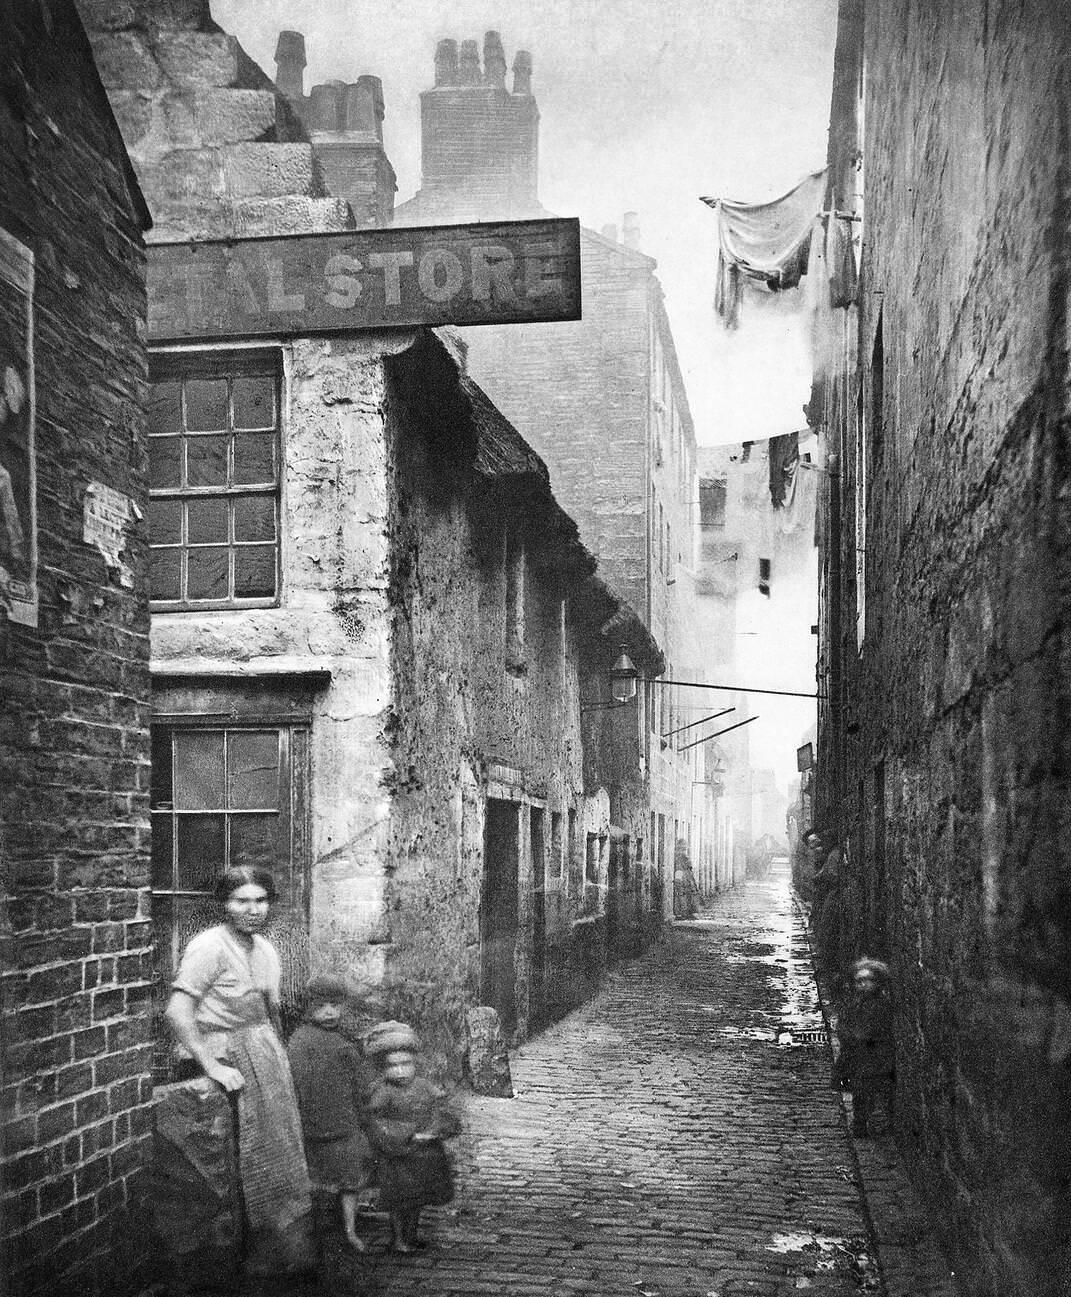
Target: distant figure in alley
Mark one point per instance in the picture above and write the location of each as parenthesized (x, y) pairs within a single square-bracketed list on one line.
[(866, 1064)]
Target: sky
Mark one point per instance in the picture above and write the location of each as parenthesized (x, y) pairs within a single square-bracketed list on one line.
[(644, 106)]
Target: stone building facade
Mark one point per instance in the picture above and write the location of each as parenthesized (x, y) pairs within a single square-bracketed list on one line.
[(757, 571), (75, 929), (373, 626), (943, 746)]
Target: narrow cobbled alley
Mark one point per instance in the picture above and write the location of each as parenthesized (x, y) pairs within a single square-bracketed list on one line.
[(677, 1137)]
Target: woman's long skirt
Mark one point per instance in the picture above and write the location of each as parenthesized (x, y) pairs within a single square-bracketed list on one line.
[(271, 1159)]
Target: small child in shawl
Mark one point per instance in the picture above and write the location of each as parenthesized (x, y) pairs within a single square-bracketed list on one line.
[(866, 1064), (334, 1085), (409, 1121)]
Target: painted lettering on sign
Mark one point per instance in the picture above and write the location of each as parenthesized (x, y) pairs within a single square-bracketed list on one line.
[(495, 273)]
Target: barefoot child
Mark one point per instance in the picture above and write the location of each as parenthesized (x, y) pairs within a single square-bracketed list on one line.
[(866, 1064), (333, 1084), (409, 1122)]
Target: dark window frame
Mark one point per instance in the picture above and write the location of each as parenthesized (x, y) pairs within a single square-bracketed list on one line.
[(233, 366)]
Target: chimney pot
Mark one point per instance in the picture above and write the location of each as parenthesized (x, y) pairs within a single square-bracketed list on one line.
[(325, 103), (290, 45), (630, 230), (494, 60), (470, 63), (362, 106), (290, 64), (522, 73), (446, 63)]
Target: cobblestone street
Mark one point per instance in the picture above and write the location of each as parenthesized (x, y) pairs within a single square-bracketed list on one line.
[(661, 1140)]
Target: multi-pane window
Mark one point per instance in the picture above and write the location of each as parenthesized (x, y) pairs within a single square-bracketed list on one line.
[(712, 493), (214, 484), (556, 866), (219, 797)]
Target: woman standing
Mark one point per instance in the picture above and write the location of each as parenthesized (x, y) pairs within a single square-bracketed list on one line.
[(224, 1010)]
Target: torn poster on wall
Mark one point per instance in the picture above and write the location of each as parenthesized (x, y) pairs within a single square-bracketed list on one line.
[(106, 515), (18, 465)]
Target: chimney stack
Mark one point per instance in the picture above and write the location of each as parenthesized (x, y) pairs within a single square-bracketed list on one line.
[(344, 122), (479, 141), (522, 73), (470, 63), (362, 107), (630, 231), (290, 64), (494, 60), (325, 102), (446, 73)]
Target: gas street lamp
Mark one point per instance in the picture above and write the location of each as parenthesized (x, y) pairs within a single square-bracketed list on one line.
[(623, 676)]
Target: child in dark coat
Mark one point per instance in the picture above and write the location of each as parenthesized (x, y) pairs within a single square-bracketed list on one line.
[(866, 1064), (409, 1121), (334, 1086)]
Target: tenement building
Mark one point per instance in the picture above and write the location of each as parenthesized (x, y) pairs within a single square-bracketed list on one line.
[(378, 641), (601, 399), (756, 577), (943, 738), (75, 930)]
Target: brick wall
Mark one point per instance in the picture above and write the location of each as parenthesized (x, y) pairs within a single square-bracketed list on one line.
[(957, 780), (479, 140), (75, 935), (580, 393)]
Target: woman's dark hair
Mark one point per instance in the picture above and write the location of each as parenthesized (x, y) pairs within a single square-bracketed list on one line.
[(244, 876)]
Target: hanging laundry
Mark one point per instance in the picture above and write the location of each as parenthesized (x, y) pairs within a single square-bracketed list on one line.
[(766, 243), (784, 461), (840, 262)]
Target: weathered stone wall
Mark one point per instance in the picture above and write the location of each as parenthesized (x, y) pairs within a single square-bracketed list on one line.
[(221, 154), (486, 704), (333, 617), (960, 772), (218, 151), (74, 900), (602, 399)]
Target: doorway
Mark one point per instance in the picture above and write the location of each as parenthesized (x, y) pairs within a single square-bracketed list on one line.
[(498, 911), (537, 987)]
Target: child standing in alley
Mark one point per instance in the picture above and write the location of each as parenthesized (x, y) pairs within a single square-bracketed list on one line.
[(866, 1064), (334, 1085), (409, 1121)]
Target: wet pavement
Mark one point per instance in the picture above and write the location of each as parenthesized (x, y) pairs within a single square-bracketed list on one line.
[(676, 1137)]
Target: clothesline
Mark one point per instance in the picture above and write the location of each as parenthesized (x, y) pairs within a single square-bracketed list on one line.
[(775, 244), (841, 216)]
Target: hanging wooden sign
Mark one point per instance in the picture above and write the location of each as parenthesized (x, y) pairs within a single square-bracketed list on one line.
[(490, 273)]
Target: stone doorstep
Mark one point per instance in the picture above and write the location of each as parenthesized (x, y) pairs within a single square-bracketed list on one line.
[(890, 1204)]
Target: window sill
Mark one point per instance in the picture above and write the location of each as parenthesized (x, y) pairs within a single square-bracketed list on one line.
[(311, 669), (241, 605)]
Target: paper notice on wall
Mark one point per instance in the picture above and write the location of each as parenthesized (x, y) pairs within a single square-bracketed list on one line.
[(106, 515)]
